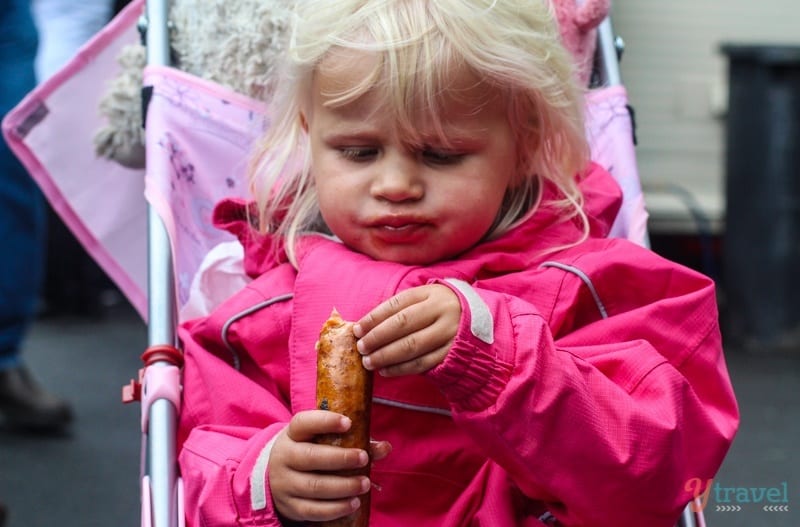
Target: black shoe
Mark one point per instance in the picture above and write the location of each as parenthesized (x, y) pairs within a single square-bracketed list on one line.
[(25, 405)]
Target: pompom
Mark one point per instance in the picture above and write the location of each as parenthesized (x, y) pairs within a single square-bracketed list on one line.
[(578, 26)]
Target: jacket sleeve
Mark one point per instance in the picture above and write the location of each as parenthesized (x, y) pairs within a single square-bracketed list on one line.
[(606, 412), (228, 419)]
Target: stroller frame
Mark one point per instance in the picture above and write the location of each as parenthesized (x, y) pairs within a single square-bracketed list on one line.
[(158, 387), (162, 488)]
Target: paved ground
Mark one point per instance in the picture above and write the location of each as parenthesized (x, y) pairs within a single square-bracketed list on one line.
[(91, 477)]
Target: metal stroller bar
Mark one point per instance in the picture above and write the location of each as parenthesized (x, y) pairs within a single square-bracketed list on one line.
[(609, 51), (163, 495), (687, 518), (690, 518)]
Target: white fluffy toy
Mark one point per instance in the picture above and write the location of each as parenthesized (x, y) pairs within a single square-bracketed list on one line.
[(234, 43)]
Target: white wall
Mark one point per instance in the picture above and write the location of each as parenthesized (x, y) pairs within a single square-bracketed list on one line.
[(677, 82)]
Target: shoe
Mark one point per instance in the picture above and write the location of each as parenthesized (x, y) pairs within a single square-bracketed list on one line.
[(25, 405)]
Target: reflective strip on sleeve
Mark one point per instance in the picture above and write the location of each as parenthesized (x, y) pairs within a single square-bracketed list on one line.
[(258, 478), (482, 322)]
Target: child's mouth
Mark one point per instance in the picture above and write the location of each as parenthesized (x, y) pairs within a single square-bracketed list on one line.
[(401, 232)]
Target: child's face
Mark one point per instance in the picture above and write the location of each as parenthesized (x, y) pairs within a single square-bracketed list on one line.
[(403, 202)]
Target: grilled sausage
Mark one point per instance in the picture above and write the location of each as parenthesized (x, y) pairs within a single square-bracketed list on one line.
[(345, 386)]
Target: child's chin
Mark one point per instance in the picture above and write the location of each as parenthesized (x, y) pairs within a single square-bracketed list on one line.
[(404, 257)]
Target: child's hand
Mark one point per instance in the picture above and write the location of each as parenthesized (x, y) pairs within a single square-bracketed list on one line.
[(411, 332), (299, 490)]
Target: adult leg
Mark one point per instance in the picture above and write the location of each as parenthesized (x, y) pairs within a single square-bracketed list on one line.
[(23, 402)]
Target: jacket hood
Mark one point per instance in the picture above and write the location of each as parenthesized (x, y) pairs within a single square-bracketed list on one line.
[(240, 217), (542, 230), (549, 227)]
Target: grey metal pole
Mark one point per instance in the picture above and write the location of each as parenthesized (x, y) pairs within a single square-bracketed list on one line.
[(161, 434), (610, 47), (687, 518)]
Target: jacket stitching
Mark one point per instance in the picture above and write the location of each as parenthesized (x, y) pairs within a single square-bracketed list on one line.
[(585, 279), (240, 315), (412, 407)]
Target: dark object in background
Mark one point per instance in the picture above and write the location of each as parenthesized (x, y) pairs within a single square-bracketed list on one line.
[(74, 284), (119, 5), (699, 251), (762, 241)]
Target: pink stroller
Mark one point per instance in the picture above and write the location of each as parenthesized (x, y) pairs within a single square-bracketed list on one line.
[(155, 249)]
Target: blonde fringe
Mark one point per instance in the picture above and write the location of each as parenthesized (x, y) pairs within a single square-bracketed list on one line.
[(514, 45)]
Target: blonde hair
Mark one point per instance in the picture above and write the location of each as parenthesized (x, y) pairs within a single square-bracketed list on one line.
[(513, 45)]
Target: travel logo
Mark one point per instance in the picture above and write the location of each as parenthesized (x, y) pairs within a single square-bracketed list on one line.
[(735, 499)]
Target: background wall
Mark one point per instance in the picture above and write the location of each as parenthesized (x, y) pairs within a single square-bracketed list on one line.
[(677, 82)]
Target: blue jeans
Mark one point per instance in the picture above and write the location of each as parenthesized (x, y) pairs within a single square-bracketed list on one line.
[(22, 207)]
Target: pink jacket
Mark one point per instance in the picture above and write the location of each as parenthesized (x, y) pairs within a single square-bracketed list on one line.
[(585, 385)]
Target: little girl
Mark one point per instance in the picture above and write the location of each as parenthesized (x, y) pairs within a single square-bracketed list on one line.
[(427, 175)]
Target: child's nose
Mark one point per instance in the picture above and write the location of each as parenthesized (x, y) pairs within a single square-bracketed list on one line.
[(397, 179)]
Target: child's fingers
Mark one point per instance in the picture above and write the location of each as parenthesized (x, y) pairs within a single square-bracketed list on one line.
[(402, 324), (315, 486), (309, 509), (307, 457), (414, 366), (379, 449), (418, 352), (302, 454), (385, 310), (305, 425)]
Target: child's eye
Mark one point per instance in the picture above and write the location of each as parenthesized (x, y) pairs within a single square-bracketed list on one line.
[(358, 153), (442, 157)]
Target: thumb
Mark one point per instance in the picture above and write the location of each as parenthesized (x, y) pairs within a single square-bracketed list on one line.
[(379, 449)]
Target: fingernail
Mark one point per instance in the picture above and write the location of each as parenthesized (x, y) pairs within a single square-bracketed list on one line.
[(355, 503), (361, 347), (363, 458), (346, 422), (365, 485), (367, 362), (357, 331)]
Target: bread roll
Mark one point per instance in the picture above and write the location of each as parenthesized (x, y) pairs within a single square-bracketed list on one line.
[(344, 386)]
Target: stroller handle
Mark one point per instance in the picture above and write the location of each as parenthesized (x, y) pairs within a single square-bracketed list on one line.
[(609, 52), (164, 483)]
